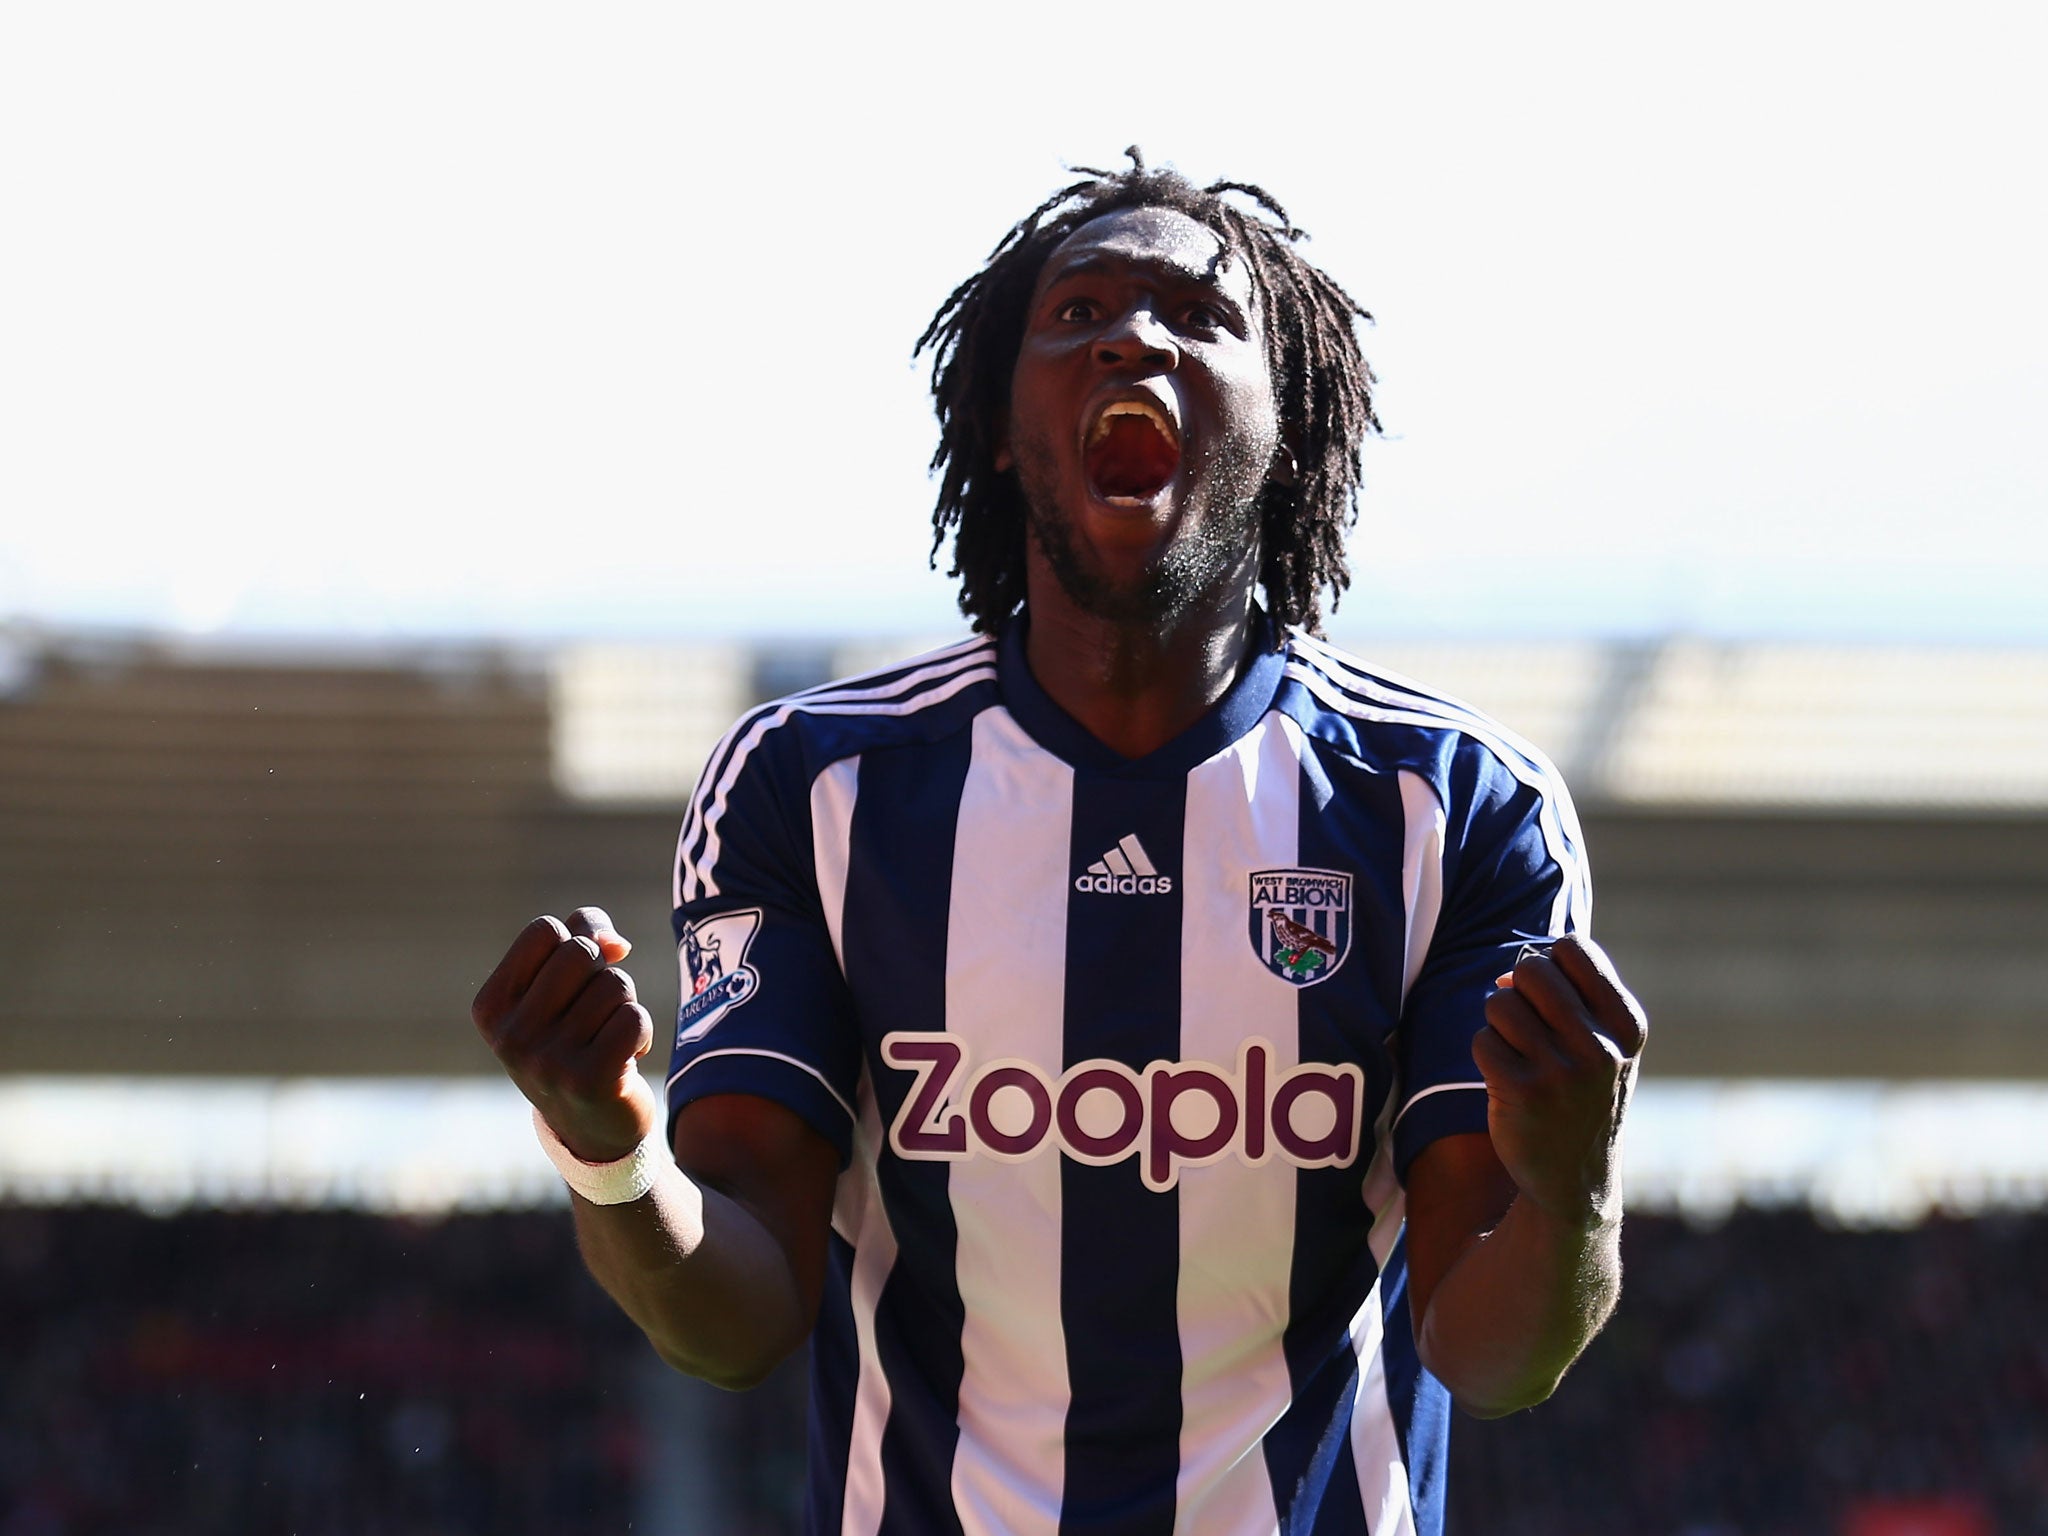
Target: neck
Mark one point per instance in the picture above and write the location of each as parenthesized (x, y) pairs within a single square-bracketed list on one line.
[(1134, 687)]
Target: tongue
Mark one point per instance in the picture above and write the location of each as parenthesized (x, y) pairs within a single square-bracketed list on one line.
[(1133, 458)]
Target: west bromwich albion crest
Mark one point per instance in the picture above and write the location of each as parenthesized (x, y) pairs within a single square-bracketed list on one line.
[(716, 976), (1301, 922)]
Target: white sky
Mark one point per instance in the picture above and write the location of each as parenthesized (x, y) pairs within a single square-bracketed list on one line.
[(437, 317)]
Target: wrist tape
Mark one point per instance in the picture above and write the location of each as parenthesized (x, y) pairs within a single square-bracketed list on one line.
[(613, 1183)]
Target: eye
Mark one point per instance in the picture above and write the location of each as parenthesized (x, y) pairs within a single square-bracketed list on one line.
[(1203, 316), (1077, 310)]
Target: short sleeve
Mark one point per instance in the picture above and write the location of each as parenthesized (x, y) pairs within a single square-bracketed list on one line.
[(764, 1005), (1513, 874)]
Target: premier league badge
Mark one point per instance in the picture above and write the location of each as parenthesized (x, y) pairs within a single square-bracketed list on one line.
[(716, 976), (1301, 922)]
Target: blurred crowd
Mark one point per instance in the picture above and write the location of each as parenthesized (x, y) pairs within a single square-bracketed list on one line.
[(330, 1374), (1771, 1377), (319, 1374)]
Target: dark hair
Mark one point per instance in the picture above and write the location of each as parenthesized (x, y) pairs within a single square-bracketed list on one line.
[(1322, 382)]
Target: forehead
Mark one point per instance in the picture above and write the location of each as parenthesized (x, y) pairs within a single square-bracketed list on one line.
[(1161, 241)]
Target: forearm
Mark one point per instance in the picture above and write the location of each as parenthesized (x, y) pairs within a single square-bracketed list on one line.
[(701, 1276), (1519, 1304)]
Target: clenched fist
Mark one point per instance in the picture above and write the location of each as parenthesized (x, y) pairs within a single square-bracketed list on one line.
[(1558, 1052), (568, 1029)]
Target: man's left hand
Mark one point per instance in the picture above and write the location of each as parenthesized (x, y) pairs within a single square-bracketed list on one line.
[(1558, 1051)]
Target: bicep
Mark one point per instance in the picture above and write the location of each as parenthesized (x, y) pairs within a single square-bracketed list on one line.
[(770, 1162), (1457, 1193)]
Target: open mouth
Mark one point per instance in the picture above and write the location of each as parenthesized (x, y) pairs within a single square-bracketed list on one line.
[(1132, 451)]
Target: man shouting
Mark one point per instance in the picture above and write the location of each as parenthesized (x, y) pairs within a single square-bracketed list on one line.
[(1155, 1057)]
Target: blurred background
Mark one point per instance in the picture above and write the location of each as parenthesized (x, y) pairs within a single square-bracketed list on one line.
[(423, 429)]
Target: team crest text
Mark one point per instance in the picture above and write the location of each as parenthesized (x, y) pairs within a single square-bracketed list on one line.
[(1300, 922)]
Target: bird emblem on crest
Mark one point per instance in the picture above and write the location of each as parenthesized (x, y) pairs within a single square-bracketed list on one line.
[(1299, 951)]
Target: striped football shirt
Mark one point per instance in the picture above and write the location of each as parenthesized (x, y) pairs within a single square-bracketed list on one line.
[(1127, 1060)]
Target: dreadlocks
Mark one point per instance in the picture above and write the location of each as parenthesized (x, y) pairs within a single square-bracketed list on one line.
[(1322, 382)]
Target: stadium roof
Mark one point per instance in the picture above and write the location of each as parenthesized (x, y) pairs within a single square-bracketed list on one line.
[(1673, 723)]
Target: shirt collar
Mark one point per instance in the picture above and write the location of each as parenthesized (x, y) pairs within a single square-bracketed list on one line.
[(1229, 718)]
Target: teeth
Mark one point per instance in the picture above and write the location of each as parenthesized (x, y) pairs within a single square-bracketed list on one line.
[(1143, 408)]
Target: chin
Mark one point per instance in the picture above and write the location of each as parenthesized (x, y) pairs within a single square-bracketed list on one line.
[(1144, 561), (1165, 588)]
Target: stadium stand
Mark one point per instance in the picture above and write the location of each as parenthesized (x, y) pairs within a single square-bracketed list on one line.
[(1775, 1377), (245, 896), (222, 861), (323, 1373), (333, 1373)]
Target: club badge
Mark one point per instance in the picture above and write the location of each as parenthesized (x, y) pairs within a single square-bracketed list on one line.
[(1300, 922), (716, 976)]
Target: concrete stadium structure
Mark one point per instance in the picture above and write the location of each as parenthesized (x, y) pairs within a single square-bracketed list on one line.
[(218, 861)]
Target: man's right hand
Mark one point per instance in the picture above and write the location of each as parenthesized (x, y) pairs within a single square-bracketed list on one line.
[(568, 1029)]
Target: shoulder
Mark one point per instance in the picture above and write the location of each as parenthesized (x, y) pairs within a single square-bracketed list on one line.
[(924, 698), (1502, 800), (761, 773), (1391, 722)]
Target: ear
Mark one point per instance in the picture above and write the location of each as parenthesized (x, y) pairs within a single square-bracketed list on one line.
[(1284, 470), (1005, 461)]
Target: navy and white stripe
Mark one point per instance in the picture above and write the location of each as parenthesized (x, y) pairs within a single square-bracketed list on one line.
[(892, 691), (1005, 982), (1138, 1270)]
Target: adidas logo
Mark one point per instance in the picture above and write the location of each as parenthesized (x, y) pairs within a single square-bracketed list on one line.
[(1124, 871)]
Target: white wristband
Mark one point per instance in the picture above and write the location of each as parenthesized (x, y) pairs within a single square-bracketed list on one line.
[(613, 1183)]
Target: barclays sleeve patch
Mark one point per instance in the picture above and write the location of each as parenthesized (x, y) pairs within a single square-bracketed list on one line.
[(716, 976)]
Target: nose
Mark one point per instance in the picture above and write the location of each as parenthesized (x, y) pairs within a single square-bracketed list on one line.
[(1137, 339)]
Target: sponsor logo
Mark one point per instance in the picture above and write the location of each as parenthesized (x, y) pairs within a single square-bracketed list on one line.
[(1172, 1115), (1124, 871), (1300, 922), (716, 976)]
